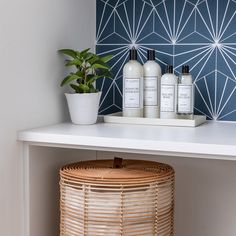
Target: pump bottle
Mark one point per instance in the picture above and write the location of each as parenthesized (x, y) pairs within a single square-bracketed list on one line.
[(133, 87), (185, 94), (152, 76), (168, 94)]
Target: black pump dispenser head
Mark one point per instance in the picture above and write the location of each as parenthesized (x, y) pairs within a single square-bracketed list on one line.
[(169, 69), (133, 54), (185, 69), (151, 55)]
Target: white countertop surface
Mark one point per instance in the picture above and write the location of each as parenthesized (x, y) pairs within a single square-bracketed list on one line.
[(215, 140)]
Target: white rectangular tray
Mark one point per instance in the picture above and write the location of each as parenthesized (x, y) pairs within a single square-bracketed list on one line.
[(119, 119)]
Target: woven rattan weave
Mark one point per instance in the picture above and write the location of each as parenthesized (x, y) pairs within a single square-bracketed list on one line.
[(98, 199)]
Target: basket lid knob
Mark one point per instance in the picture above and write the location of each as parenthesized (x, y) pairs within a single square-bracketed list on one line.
[(117, 162)]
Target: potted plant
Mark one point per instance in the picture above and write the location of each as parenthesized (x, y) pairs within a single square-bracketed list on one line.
[(83, 104)]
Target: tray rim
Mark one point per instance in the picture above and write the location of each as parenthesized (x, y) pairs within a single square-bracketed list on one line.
[(117, 118)]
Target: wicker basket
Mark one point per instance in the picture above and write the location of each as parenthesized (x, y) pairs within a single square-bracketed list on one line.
[(135, 199)]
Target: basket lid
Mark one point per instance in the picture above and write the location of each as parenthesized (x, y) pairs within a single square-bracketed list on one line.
[(128, 170)]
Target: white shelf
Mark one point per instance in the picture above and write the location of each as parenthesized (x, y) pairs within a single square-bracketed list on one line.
[(214, 140)]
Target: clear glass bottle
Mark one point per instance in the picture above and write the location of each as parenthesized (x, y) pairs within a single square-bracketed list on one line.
[(133, 87), (185, 108), (168, 107)]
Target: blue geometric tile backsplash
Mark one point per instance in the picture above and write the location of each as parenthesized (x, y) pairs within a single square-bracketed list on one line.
[(200, 33)]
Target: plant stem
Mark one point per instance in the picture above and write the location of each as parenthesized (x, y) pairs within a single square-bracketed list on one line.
[(85, 75)]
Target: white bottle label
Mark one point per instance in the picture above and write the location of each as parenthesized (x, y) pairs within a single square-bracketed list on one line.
[(150, 91), (185, 100), (167, 98), (132, 93)]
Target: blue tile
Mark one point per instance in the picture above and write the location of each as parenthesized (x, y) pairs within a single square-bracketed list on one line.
[(200, 33)]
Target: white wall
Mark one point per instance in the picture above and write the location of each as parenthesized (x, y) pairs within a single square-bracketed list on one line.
[(30, 71), (44, 165)]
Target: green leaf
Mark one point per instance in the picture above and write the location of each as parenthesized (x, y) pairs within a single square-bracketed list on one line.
[(88, 56), (68, 52), (92, 89), (75, 62), (80, 88), (84, 88), (94, 59), (80, 73), (100, 66), (75, 87), (104, 73), (84, 52), (89, 67), (106, 58), (68, 79), (91, 79)]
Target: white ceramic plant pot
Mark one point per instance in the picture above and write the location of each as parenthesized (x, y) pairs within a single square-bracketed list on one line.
[(83, 107)]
